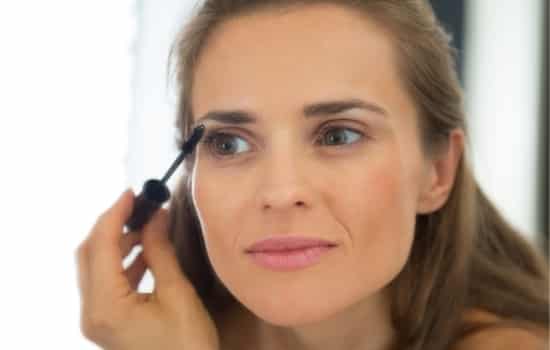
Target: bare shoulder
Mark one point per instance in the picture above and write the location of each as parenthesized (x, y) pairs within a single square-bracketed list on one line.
[(502, 338)]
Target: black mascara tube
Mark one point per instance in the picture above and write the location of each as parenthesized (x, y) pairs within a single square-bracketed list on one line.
[(155, 192)]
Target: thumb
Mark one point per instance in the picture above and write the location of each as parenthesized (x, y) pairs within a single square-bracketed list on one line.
[(160, 254)]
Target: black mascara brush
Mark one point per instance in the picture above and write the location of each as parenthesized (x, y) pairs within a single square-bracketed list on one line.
[(155, 192)]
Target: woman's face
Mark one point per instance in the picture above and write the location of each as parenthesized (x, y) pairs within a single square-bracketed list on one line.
[(348, 175)]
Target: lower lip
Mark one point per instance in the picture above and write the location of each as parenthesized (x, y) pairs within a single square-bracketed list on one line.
[(290, 259)]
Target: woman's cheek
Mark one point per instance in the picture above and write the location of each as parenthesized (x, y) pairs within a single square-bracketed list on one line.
[(385, 228), (222, 227)]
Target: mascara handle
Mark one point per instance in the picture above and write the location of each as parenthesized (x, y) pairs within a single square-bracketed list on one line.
[(153, 194)]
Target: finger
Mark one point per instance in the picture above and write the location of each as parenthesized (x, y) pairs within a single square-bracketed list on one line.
[(128, 241), (159, 253), (104, 253), (115, 217), (82, 271), (135, 272)]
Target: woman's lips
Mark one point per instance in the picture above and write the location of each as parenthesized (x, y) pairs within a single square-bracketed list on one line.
[(286, 260), (288, 253), (287, 242)]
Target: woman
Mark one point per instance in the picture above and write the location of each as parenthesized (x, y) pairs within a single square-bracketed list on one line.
[(340, 121)]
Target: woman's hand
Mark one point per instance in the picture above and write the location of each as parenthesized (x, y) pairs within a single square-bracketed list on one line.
[(113, 314)]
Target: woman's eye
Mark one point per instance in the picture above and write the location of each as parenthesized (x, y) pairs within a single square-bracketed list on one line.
[(339, 135), (228, 145), (225, 144)]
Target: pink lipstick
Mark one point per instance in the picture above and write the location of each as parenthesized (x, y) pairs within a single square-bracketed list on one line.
[(286, 253)]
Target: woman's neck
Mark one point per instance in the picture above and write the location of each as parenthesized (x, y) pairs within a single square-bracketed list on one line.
[(365, 326)]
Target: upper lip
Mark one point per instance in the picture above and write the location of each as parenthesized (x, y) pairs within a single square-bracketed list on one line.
[(281, 243)]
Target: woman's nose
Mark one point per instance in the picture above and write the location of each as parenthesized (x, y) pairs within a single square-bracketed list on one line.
[(281, 198), (284, 184)]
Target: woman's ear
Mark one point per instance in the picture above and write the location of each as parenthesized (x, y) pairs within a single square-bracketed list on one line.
[(441, 174)]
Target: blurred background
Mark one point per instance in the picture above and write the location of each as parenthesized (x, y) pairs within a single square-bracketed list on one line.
[(86, 111)]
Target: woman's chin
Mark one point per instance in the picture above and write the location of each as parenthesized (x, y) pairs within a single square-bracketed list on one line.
[(289, 319), (285, 313)]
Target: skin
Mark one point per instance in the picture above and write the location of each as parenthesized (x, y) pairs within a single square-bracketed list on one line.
[(363, 193), (114, 314)]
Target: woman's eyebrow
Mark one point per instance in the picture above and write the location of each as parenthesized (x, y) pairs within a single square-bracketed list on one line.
[(319, 109)]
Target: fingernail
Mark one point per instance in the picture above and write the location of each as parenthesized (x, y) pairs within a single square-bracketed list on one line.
[(125, 193)]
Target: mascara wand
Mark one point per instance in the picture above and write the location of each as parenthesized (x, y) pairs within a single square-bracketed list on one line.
[(155, 192)]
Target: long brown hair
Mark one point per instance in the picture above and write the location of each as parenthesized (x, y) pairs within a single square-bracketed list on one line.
[(464, 255)]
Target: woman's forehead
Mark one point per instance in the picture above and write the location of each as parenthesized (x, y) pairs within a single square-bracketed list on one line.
[(310, 54)]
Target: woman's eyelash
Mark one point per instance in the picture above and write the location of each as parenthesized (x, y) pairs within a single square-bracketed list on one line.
[(324, 131), (213, 135)]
